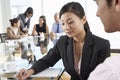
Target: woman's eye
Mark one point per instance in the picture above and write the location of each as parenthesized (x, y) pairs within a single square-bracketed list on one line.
[(70, 22)]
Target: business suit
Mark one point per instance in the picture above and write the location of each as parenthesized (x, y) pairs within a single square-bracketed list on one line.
[(95, 50), (23, 22)]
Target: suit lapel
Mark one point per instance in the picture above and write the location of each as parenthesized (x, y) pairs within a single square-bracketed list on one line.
[(23, 17), (86, 54), (70, 55)]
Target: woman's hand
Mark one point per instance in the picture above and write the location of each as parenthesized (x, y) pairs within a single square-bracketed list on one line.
[(24, 74)]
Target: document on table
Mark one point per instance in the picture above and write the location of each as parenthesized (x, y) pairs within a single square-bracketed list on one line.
[(49, 72)]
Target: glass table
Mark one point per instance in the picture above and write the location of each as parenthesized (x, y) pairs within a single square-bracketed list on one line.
[(13, 51)]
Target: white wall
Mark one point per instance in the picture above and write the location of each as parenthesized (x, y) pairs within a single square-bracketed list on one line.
[(6, 14), (1, 21)]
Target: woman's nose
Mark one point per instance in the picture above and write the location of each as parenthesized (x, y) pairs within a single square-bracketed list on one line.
[(67, 26)]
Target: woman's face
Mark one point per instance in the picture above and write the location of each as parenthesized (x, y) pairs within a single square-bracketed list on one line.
[(72, 25), (41, 21), (17, 24), (29, 15)]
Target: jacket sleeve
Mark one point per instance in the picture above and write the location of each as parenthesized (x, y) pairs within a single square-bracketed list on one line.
[(105, 52), (52, 57)]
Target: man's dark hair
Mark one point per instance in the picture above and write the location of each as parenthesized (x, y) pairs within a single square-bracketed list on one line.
[(109, 2)]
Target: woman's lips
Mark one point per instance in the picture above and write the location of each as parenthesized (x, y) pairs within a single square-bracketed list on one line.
[(69, 32)]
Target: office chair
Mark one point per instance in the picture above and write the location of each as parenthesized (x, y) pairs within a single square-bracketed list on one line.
[(3, 37)]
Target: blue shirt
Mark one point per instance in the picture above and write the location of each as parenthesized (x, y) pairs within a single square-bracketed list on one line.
[(54, 27)]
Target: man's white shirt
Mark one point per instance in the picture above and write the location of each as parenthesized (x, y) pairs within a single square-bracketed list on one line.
[(108, 70)]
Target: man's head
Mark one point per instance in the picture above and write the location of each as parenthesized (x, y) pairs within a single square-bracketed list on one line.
[(109, 13), (56, 17)]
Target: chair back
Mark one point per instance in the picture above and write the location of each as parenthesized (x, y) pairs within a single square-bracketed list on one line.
[(3, 37)]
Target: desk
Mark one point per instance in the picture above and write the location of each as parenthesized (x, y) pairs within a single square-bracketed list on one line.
[(47, 74), (36, 49)]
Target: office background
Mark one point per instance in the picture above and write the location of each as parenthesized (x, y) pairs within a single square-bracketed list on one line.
[(11, 8)]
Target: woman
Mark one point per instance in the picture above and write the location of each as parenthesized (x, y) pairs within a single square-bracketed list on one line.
[(14, 32), (40, 28), (80, 50), (25, 19)]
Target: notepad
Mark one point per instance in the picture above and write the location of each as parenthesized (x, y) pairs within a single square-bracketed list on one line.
[(49, 73)]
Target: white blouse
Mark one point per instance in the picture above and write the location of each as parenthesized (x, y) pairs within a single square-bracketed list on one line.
[(77, 67)]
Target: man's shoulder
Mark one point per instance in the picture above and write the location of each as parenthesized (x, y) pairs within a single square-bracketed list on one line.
[(113, 59)]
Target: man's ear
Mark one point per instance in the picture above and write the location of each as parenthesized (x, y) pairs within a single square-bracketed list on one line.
[(117, 5)]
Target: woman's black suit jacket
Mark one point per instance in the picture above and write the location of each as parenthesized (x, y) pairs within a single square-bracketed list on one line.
[(95, 50)]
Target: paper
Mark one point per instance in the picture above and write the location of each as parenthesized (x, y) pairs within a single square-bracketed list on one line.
[(50, 72)]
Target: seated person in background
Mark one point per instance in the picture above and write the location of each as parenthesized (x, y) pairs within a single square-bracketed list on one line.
[(25, 20), (80, 50), (14, 32), (40, 28), (57, 30)]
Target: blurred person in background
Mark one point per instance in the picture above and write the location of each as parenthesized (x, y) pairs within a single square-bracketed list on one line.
[(25, 19), (14, 32), (41, 28), (57, 30)]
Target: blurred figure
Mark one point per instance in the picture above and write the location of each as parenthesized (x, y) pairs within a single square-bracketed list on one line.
[(40, 28), (57, 30), (25, 19), (13, 32)]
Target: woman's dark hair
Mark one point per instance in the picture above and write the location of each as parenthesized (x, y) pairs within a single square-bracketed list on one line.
[(14, 20), (75, 8), (29, 10), (44, 19), (109, 2)]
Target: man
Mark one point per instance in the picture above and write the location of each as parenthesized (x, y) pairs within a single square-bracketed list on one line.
[(109, 13), (57, 30)]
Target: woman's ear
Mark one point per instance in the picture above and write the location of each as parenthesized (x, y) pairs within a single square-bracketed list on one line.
[(117, 5), (84, 19)]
